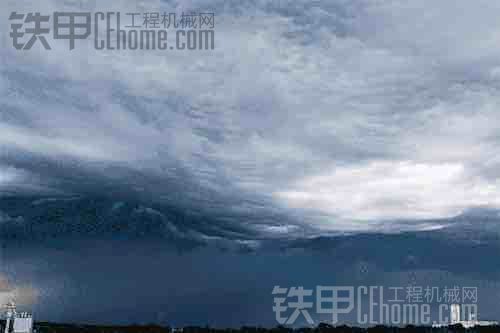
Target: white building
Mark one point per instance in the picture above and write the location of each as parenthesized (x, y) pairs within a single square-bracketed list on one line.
[(455, 319), (21, 322), (455, 314)]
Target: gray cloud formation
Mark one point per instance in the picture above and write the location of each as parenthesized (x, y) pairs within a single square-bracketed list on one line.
[(335, 116)]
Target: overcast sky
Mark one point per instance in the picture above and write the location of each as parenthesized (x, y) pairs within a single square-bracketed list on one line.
[(341, 113), (308, 118)]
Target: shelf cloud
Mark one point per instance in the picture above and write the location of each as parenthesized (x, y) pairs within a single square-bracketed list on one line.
[(359, 110)]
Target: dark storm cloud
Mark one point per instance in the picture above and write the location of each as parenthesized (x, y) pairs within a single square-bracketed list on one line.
[(334, 115), (180, 187), (84, 200)]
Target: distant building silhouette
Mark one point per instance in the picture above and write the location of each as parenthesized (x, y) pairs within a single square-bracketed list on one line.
[(455, 319), (21, 322)]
